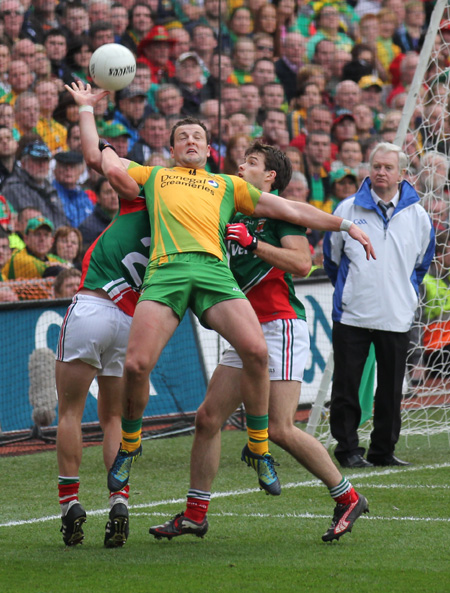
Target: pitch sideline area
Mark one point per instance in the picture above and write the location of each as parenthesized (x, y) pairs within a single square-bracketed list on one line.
[(361, 480)]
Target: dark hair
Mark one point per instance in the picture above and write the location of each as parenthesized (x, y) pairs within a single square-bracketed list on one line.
[(99, 26), (63, 275), (54, 33), (274, 160), (3, 233), (64, 231), (188, 121)]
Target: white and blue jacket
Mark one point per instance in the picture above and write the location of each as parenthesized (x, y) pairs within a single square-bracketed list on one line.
[(383, 293)]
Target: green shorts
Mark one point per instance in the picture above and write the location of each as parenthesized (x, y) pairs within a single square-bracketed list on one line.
[(194, 280)]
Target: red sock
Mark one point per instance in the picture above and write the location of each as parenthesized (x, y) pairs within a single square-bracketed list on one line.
[(68, 492), (348, 497), (196, 509), (125, 492)]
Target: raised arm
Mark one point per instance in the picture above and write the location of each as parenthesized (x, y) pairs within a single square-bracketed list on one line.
[(272, 206), (85, 99)]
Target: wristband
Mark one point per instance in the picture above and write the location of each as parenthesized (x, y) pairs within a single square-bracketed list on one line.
[(102, 144), (345, 225), (253, 245), (87, 108)]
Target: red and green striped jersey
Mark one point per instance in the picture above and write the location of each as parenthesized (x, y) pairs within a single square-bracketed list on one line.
[(270, 290), (117, 260)]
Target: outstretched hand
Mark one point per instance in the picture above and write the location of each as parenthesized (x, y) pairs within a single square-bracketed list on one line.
[(356, 233), (83, 95)]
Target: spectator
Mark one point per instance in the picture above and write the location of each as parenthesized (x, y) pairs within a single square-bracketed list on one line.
[(266, 20), (188, 78), (328, 24), (307, 96), (16, 238), (13, 20), (315, 157), (364, 120), (67, 245), (56, 46), (272, 96), (243, 59), (99, 10), (274, 129), (376, 305), (118, 18), (25, 49), (5, 249), (26, 111), (130, 107), (343, 128), (74, 19), (180, 42), (318, 118), (5, 61), (140, 23), (343, 183), (218, 128), (100, 32), (264, 46), (251, 103), (8, 149), (34, 260), (20, 78), (239, 124), (324, 55), (236, 147), (263, 72), (169, 100), (240, 24), (154, 137), (214, 16), (76, 201), (348, 94), (387, 50), (409, 34), (204, 44), (54, 133), (29, 185), (231, 98), (153, 51), (220, 67), (371, 93), (350, 155), (78, 56), (106, 208), (295, 156), (66, 283), (297, 189), (362, 62), (292, 58)]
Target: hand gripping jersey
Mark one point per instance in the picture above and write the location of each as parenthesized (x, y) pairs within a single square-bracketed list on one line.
[(189, 208), (117, 259), (270, 290)]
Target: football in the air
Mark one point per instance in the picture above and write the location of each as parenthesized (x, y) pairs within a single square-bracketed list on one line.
[(112, 66)]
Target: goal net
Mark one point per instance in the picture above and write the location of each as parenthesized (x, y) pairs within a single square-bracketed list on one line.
[(424, 134)]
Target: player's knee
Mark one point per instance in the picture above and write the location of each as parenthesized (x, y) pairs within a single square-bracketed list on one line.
[(207, 421), (136, 368), (256, 356)]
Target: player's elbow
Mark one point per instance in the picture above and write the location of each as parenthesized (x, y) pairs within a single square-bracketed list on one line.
[(303, 268), (119, 179)]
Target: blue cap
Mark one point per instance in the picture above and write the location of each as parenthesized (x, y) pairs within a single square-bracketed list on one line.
[(37, 150)]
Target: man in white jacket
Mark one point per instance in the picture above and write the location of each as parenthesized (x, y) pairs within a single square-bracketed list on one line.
[(375, 304)]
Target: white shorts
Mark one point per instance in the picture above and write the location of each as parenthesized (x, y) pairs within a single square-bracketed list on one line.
[(288, 344), (95, 331)]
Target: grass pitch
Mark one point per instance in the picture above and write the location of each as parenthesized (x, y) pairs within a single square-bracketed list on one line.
[(256, 543)]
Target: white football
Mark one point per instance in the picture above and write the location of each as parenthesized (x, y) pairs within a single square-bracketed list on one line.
[(112, 66)]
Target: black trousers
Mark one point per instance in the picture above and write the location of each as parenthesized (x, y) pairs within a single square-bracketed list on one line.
[(351, 347)]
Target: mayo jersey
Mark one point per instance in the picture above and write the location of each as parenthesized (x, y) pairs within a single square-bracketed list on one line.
[(117, 259), (189, 208), (270, 290)]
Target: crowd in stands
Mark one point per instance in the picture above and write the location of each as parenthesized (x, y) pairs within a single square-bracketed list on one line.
[(323, 81)]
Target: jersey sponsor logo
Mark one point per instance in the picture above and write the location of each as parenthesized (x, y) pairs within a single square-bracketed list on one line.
[(360, 221), (202, 184)]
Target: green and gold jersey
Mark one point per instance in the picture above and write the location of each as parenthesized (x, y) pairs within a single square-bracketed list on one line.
[(189, 208)]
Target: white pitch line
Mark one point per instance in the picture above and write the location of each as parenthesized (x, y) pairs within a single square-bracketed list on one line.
[(310, 483)]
